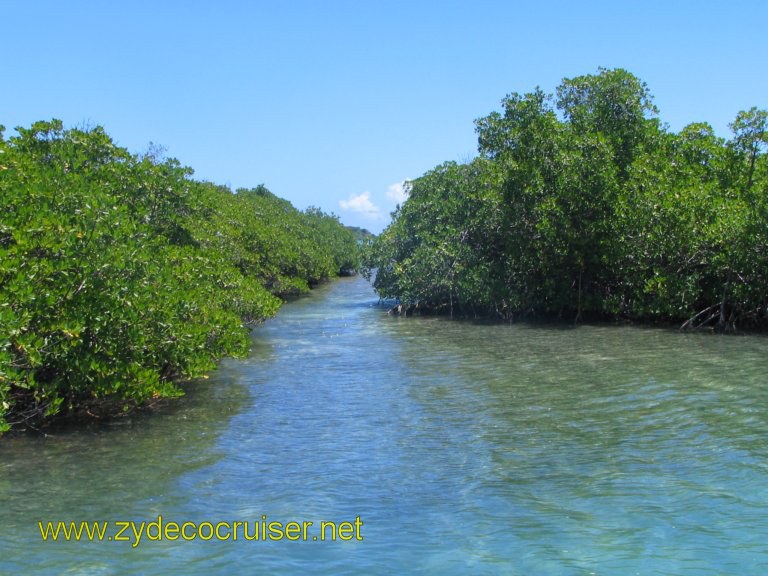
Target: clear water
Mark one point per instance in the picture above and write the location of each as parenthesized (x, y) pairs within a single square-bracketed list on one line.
[(464, 448)]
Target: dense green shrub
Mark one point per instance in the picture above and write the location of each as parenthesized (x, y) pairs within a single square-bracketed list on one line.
[(120, 275), (584, 204)]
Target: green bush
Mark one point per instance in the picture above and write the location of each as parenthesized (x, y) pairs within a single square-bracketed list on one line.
[(121, 275), (585, 205)]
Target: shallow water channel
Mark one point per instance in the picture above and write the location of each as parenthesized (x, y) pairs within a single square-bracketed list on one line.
[(459, 447)]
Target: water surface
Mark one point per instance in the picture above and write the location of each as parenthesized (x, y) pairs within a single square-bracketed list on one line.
[(464, 448)]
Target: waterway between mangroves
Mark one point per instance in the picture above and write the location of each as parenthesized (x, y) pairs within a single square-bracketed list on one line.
[(462, 447)]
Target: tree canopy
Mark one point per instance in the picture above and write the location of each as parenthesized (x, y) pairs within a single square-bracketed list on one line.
[(121, 275), (583, 204)]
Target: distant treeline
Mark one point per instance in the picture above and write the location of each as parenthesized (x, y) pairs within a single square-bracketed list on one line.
[(583, 205), (120, 274), (360, 234)]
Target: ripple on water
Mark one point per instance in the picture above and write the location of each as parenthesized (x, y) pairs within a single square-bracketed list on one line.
[(464, 447)]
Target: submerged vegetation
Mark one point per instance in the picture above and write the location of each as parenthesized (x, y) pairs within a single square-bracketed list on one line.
[(584, 205), (121, 275)]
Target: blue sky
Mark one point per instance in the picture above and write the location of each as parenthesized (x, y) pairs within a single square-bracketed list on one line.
[(334, 103)]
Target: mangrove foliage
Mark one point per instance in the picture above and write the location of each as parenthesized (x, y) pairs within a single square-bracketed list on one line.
[(121, 275), (583, 205)]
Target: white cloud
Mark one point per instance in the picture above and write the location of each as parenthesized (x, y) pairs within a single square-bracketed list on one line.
[(397, 192), (361, 204)]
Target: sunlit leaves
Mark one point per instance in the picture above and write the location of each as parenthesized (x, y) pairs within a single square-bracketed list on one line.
[(120, 275), (597, 211)]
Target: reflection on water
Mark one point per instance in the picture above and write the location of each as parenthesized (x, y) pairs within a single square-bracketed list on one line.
[(464, 448)]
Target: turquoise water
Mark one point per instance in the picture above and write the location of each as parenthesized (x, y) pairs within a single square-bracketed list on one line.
[(463, 448)]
